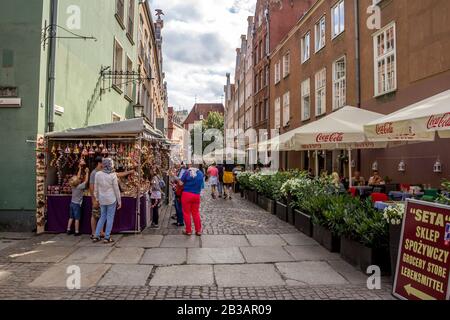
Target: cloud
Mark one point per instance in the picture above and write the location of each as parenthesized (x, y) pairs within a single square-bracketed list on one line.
[(200, 37)]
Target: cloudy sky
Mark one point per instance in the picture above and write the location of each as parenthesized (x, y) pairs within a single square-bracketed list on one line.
[(200, 37)]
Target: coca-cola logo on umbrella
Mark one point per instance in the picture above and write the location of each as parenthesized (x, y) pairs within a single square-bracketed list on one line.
[(437, 122), (330, 137), (385, 128)]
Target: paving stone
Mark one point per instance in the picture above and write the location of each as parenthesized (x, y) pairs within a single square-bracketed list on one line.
[(265, 240), (307, 253), (42, 254), (310, 273), (89, 255), (180, 241), (298, 239), (57, 276), (214, 256), (224, 241), (349, 272), (4, 274), (17, 235), (164, 256), (126, 275), (187, 275), (87, 242), (247, 275), (265, 254), (140, 241), (62, 240), (4, 243), (125, 256)]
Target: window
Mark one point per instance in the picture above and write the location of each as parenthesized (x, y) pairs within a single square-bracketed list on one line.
[(339, 83), (277, 113), (261, 47), (385, 60), (256, 83), (277, 72), (115, 117), (306, 100), (120, 10), (129, 85), (267, 75), (257, 113), (130, 26), (267, 45), (320, 34), (286, 64), (118, 63), (306, 47), (338, 19), (321, 86), (286, 109), (266, 108)]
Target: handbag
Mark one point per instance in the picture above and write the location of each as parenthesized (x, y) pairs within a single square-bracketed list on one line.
[(179, 190)]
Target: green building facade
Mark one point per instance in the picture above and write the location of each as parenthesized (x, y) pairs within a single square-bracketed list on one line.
[(91, 36)]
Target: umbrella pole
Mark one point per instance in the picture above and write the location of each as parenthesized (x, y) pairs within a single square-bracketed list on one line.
[(350, 168), (317, 163)]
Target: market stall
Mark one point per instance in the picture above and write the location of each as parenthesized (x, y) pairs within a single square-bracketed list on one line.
[(133, 145)]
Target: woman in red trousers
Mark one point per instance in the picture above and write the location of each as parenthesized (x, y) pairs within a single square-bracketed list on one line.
[(192, 180)]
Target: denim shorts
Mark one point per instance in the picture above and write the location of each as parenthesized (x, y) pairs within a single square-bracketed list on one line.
[(75, 211)]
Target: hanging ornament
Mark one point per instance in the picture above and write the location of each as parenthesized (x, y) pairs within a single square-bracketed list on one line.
[(113, 150), (67, 150), (80, 145), (91, 151), (59, 148), (76, 151), (88, 145), (94, 144), (105, 151), (101, 146)]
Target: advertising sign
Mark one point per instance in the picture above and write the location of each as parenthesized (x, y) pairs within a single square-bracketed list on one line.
[(423, 264)]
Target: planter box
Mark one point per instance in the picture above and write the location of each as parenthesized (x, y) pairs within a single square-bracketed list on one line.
[(303, 223), (271, 206), (290, 215), (251, 194), (281, 211), (394, 245), (362, 257), (262, 202), (326, 238)]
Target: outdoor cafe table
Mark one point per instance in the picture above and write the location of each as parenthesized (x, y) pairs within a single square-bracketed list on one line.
[(402, 195), (364, 190)]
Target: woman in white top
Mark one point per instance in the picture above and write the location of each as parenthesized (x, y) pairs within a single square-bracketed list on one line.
[(107, 193)]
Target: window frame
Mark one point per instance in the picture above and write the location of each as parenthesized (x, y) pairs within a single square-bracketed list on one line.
[(302, 97), (277, 115), (302, 49), (336, 81), (129, 85), (117, 86), (286, 64), (317, 89), (286, 109), (337, 4), (384, 57), (317, 27), (278, 72)]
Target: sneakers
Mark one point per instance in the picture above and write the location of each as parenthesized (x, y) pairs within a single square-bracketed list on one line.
[(178, 224), (154, 226), (77, 234)]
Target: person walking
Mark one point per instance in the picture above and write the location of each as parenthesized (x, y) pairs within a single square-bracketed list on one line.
[(106, 190), (156, 197), (228, 180), (190, 200), (213, 178), (95, 205), (220, 182)]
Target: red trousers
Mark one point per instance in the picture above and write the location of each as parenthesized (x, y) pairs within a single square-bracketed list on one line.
[(190, 203)]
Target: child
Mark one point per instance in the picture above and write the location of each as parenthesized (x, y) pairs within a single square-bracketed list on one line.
[(155, 199), (77, 199)]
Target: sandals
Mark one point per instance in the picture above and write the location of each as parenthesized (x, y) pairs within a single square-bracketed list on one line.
[(110, 240), (187, 233), (95, 239)]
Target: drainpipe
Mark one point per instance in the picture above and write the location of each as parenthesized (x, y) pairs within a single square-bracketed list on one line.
[(52, 65), (357, 67)]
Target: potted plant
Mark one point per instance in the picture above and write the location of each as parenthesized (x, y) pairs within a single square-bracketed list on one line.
[(393, 215), (364, 237)]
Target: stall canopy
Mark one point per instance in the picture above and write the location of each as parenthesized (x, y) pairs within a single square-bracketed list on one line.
[(126, 128), (417, 122)]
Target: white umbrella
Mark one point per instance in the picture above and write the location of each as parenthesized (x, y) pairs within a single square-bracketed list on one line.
[(342, 129), (417, 122)]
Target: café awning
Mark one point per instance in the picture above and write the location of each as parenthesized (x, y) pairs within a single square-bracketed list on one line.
[(342, 129), (417, 122)]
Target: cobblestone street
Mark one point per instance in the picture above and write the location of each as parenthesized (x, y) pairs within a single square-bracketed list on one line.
[(245, 253)]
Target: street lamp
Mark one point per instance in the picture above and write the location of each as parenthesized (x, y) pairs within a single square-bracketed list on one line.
[(138, 110)]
